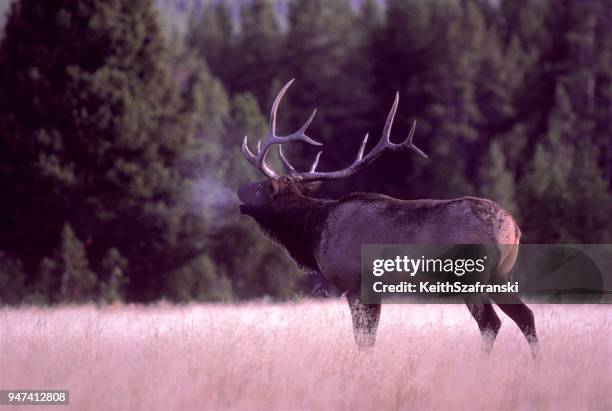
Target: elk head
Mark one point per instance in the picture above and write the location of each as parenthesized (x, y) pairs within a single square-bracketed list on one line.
[(300, 183)]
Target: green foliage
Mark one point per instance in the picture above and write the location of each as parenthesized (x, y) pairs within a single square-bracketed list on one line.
[(237, 254), (114, 265), (592, 201), (94, 125), (65, 276), (12, 280), (136, 144), (564, 185), (325, 53), (212, 37), (78, 282), (256, 266), (247, 119), (258, 50), (496, 181), (198, 280), (544, 183), (45, 289), (453, 111)]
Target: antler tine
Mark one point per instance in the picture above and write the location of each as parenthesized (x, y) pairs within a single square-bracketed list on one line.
[(288, 166), (299, 135), (302, 130), (271, 138), (408, 142), (247, 152), (254, 159), (315, 163), (390, 117), (292, 169), (275, 105), (362, 147)]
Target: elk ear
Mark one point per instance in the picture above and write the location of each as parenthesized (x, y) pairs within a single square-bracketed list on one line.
[(310, 188)]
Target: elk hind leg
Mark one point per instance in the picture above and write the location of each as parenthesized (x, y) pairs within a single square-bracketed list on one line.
[(488, 322), (365, 320), (514, 308)]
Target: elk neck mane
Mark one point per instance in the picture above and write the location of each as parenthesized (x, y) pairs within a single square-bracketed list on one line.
[(296, 222)]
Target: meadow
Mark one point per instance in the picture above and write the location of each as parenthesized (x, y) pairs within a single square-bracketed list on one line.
[(301, 355)]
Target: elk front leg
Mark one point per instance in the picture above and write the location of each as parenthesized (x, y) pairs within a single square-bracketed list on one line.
[(365, 320)]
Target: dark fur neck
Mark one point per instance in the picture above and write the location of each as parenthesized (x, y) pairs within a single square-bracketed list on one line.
[(295, 222)]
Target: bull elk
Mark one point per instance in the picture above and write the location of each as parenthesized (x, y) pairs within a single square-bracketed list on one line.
[(326, 235)]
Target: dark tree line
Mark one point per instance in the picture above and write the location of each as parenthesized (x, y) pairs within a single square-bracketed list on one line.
[(119, 149), (513, 101)]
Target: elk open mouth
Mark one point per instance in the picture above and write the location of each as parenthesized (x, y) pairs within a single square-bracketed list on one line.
[(244, 209)]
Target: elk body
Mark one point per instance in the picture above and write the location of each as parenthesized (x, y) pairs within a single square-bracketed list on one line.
[(326, 235)]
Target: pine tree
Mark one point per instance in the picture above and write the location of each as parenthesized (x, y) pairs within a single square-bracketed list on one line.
[(499, 86), (403, 52), (255, 266), (528, 23), (323, 55), (496, 181), (546, 203), (232, 266), (587, 73), (247, 120), (213, 115), (593, 201), (572, 121), (207, 96), (201, 280), (371, 18), (78, 282), (453, 113), (93, 131), (114, 266), (545, 194), (219, 167), (45, 288), (258, 51), (12, 280), (213, 37)]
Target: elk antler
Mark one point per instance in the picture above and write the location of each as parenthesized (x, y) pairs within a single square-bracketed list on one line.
[(384, 144), (360, 161), (259, 160)]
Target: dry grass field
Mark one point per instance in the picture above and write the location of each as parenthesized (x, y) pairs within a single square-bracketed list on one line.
[(302, 356)]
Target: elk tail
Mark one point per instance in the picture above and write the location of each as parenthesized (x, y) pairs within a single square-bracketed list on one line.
[(510, 254)]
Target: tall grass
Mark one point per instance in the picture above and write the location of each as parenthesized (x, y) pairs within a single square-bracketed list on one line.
[(302, 356)]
